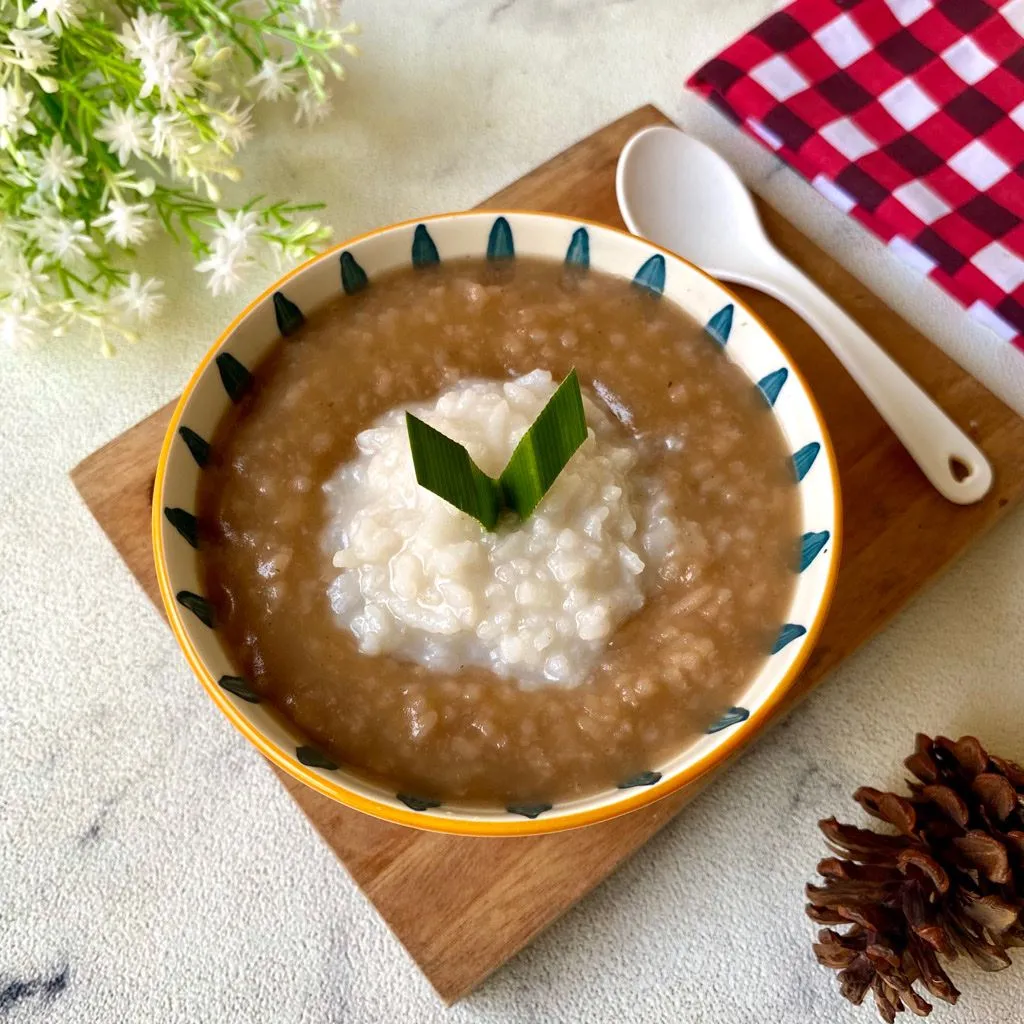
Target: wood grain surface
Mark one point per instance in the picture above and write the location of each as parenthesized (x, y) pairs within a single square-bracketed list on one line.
[(462, 907)]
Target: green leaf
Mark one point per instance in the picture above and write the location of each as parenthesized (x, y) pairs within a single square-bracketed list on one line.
[(444, 467), (545, 448)]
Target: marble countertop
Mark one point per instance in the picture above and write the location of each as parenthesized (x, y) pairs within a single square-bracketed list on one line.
[(151, 867)]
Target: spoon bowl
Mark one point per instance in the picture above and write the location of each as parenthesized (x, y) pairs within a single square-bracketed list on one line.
[(676, 187)]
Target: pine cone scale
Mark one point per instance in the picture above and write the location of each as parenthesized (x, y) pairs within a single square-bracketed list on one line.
[(949, 801), (916, 861), (986, 854), (929, 970), (997, 794)]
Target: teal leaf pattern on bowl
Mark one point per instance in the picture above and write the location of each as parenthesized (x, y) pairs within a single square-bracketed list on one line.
[(197, 605), (719, 327), (185, 523), (578, 253), (198, 446), (651, 276), (732, 717), (289, 316), (789, 632), (810, 545), (804, 459), (239, 687), (424, 252), (417, 803), (353, 277), (528, 810), (500, 245), (640, 779), (234, 376), (313, 758), (771, 385)]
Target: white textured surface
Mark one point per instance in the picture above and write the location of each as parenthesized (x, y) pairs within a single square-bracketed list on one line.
[(152, 869)]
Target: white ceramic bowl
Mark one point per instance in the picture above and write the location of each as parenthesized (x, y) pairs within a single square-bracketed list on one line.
[(353, 265)]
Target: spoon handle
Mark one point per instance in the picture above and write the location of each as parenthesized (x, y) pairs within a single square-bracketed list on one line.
[(946, 455)]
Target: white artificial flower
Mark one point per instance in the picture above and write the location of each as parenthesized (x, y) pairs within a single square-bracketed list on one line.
[(19, 326), (296, 242), (274, 80), (201, 163), (58, 14), (166, 67), (146, 33), (290, 247), (25, 281), (234, 126), (236, 230), (32, 51), (125, 131), (169, 70), (141, 300), (36, 206), (172, 136), (284, 253), (15, 105), (226, 267), (320, 13), (127, 224), (68, 241), (57, 168), (311, 108)]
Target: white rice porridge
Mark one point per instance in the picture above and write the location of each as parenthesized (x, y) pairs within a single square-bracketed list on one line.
[(536, 601)]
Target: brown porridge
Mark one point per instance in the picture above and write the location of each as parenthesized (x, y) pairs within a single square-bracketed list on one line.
[(713, 597)]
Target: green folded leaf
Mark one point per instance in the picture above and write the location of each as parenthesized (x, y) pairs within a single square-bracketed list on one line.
[(545, 448), (444, 467)]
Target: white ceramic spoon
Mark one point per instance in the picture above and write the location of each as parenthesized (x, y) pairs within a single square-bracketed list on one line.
[(682, 195)]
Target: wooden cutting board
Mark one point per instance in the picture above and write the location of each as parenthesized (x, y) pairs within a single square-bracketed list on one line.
[(462, 907)]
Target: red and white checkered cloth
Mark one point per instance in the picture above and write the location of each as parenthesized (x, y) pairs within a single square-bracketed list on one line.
[(908, 114)]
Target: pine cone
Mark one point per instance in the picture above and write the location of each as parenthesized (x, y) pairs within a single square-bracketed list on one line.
[(950, 883)]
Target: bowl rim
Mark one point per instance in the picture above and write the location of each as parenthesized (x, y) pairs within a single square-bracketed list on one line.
[(630, 800)]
